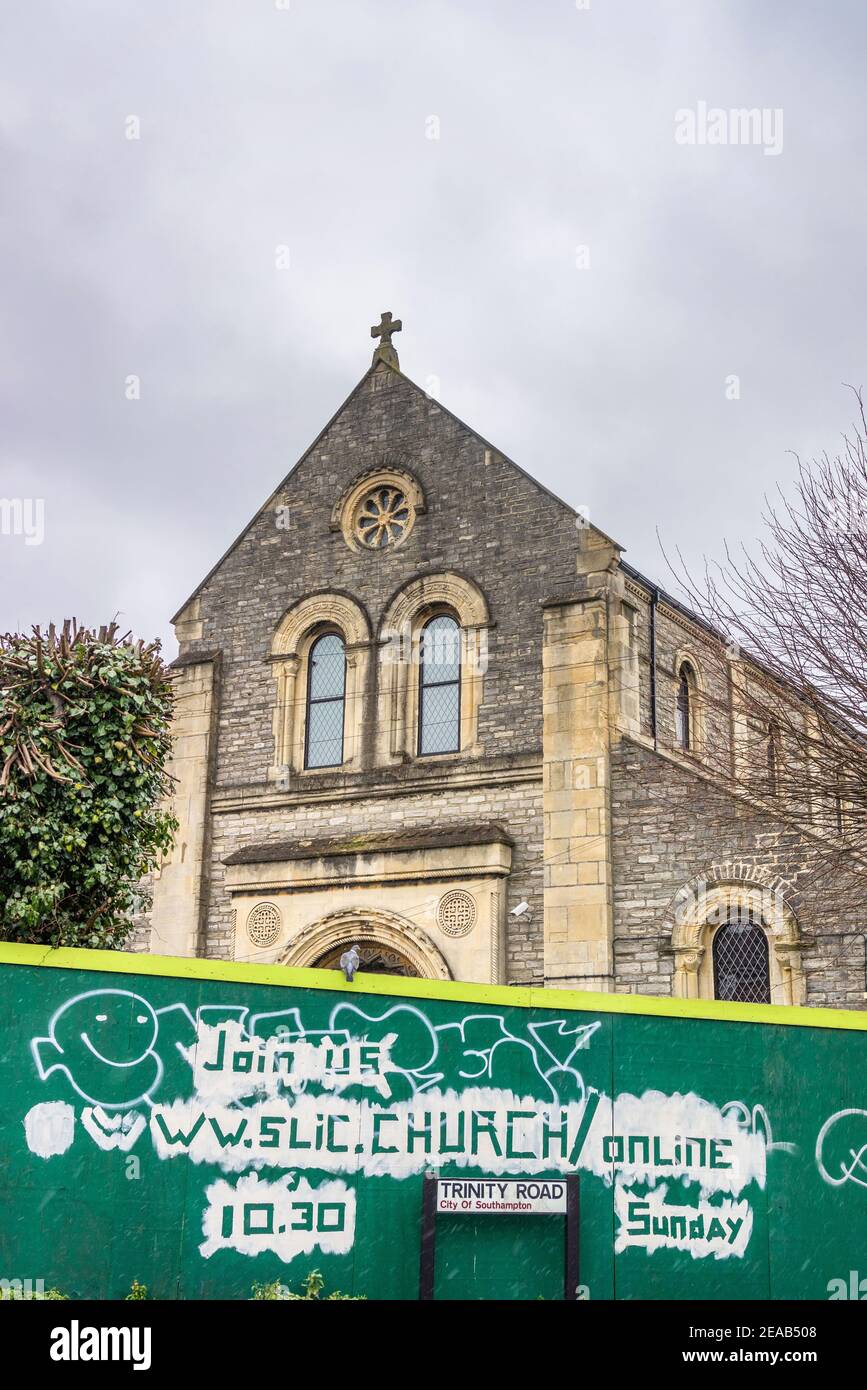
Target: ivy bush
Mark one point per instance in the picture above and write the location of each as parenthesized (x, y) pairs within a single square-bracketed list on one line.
[(84, 740)]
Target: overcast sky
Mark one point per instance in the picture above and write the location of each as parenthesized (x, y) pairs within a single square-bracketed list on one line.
[(582, 283)]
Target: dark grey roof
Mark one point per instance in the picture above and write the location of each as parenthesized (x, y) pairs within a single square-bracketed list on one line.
[(193, 658), (447, 837)]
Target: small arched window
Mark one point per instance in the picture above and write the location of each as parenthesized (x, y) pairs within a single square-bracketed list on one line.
[(741, 971), (773, 759), (326, 700), (683, 718), (439, 695)]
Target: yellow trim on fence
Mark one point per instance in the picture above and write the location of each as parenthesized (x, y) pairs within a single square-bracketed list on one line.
[(517, 996)]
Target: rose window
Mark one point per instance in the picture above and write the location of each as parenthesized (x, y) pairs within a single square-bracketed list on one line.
[(383, 518)]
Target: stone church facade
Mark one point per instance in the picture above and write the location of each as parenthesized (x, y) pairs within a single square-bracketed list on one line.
[(424, 707)]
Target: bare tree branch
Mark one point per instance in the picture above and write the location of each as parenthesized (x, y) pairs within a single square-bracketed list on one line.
[(786, 702)]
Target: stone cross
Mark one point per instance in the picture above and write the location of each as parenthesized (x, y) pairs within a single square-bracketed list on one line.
[(384, 351)]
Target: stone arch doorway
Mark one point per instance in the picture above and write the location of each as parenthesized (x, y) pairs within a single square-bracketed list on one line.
[(387, 943)]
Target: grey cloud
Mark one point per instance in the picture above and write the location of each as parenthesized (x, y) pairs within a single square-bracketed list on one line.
[(263, 127)]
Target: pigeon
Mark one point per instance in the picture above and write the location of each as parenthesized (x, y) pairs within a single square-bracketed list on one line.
[(349, 962)]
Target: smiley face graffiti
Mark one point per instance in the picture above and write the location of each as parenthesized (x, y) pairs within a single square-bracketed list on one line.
[(104, 1042)]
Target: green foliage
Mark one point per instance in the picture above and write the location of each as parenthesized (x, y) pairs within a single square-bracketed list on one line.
[(84, 738), (9, 1293), (13, 1295), (312, 1285)]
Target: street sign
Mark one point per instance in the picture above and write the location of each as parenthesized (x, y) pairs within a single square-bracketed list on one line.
[(495, 1195)]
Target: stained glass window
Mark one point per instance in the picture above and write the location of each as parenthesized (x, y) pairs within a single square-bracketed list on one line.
[(682, 713), (773, 738), (740, 961), (439, 721), (326, 694)]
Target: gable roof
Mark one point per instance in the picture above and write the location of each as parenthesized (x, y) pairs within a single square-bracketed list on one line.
[(374, 367)]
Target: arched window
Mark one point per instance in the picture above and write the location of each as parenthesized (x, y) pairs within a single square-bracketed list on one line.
[(683, 719), (741, 970), (840, 807), (326, 700), (773, 761), (439, 692)]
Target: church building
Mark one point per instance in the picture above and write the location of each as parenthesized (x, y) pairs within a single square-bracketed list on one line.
[(423, 706)]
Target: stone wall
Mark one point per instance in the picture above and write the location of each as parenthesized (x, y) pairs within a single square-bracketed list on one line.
[(518, 808), (668, 828)]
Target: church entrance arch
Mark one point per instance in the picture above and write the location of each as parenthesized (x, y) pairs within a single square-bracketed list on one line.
[(387, 944), (377, 959)]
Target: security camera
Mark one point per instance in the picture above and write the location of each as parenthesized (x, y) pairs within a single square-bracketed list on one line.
[(520, 909)]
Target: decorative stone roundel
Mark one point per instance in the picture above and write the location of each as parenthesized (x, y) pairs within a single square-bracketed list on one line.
[(263, 925), (456, 913)]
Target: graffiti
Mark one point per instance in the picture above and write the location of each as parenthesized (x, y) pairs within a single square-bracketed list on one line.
[(228, 1062), (237, 1129), (494, 1128), (284, 1216), (114, 1048), (113, 1131), (655, 1137), (385, 1092), (841, 1148), (651, 1223), (757, 1121), (49, 1128), (98, 1035)]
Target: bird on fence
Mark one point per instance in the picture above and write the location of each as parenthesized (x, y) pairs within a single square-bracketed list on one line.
[(349, 962)]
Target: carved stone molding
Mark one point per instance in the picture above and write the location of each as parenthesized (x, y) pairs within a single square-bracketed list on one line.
[(363, 924), (701, 905), (290, 652), (400, 639)]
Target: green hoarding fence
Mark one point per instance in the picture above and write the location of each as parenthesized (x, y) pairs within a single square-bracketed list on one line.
[(200, 1126)]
